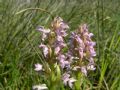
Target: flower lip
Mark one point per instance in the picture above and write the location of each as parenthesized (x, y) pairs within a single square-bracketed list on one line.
[(91, 67), (67, 80), (64, 25), (38, 67), (45, 49), (71, 81), (84, 70), (43, 30), (91, 34), (90, 43)]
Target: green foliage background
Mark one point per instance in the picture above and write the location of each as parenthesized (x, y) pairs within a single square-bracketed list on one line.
[(19, 41)]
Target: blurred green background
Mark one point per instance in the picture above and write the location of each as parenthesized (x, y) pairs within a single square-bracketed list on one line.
[(19, 40)]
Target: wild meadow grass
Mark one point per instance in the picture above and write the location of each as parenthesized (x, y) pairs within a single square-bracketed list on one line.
[(19, 41)]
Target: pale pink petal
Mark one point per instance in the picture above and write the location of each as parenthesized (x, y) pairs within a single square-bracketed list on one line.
[(76, 68), (65, 78), (91, 67), (64, 25), (83, 70), (40, 87), (45, 49), (91, 34), (38, 67), (60, 38), (71, 81), (57, 50), (43, 30)]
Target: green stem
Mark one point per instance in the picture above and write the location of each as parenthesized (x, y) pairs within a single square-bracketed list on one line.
[(43, 10)]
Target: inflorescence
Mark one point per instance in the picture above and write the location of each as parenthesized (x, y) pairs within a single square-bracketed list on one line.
[(74, 54)]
